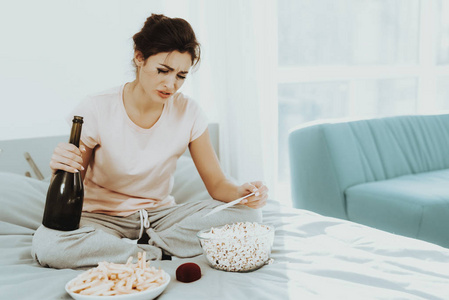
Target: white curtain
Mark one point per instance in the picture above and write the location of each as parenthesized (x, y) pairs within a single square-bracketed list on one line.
[(237, 81)]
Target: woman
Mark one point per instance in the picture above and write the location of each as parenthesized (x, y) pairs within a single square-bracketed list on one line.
[(131, 139)]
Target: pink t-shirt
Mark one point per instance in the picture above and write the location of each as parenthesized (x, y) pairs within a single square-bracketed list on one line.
[(132, 168)]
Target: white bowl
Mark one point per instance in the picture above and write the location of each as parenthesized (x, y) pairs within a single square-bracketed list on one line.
[(144, 295), (237, 253)]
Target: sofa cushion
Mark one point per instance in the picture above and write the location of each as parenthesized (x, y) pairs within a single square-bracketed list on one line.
[(413, 205), (385, 148)]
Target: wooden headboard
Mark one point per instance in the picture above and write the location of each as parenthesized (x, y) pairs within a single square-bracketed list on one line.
[(31, 156)]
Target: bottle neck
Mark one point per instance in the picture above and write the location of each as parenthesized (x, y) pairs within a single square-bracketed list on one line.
[(75, 134)]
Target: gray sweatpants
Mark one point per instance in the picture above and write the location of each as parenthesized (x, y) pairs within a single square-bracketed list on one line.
[(172, 231)]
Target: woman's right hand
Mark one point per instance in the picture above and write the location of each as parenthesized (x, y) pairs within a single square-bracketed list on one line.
[(67, 157)]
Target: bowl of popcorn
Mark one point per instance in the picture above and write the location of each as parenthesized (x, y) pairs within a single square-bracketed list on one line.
[(237, 247)]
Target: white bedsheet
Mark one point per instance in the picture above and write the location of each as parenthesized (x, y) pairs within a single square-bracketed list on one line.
[(315, 257)]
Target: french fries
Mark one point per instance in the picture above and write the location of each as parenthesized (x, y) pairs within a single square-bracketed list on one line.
[(110, 279)]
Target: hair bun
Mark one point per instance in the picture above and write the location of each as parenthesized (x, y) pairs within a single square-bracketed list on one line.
[(155, 18)]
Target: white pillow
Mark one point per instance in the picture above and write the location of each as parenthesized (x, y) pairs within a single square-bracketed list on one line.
[(188, 185), (22, 201)]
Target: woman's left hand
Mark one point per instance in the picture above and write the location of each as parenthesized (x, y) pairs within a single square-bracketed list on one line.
[(259, 199)]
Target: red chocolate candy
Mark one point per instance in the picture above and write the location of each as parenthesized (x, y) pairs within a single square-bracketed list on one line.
[(188, 272)]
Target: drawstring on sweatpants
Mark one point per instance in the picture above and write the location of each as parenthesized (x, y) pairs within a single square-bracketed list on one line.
[(144, 222)]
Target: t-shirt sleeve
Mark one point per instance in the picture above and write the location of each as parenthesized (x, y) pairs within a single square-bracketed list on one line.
[(89, 131), (200, 122)]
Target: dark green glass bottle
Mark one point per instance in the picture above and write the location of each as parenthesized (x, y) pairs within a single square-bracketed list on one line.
[(65, 194)]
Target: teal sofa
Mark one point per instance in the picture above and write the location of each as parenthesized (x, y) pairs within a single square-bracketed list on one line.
[(388, 173)]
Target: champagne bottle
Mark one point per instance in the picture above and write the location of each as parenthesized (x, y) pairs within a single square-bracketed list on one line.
[(65, 194)]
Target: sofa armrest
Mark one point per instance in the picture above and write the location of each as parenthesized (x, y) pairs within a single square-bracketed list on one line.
[(314, 181)]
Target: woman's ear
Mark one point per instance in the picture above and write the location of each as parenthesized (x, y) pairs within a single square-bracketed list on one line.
[(138, 58)]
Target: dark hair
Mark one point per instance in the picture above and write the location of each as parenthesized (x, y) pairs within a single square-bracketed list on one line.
[(164, 34)]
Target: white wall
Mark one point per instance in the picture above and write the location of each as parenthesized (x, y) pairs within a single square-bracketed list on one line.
[(55, 52)]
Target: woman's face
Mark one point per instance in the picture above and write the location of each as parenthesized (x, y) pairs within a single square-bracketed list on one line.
[(162, 74)]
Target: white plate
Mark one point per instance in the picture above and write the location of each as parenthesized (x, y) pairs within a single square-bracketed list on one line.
[(145, 295)]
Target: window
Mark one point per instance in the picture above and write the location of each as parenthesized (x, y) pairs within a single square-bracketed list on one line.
[(359, 59)]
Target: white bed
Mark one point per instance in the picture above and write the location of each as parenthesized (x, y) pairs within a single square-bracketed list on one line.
[(315, 257)]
